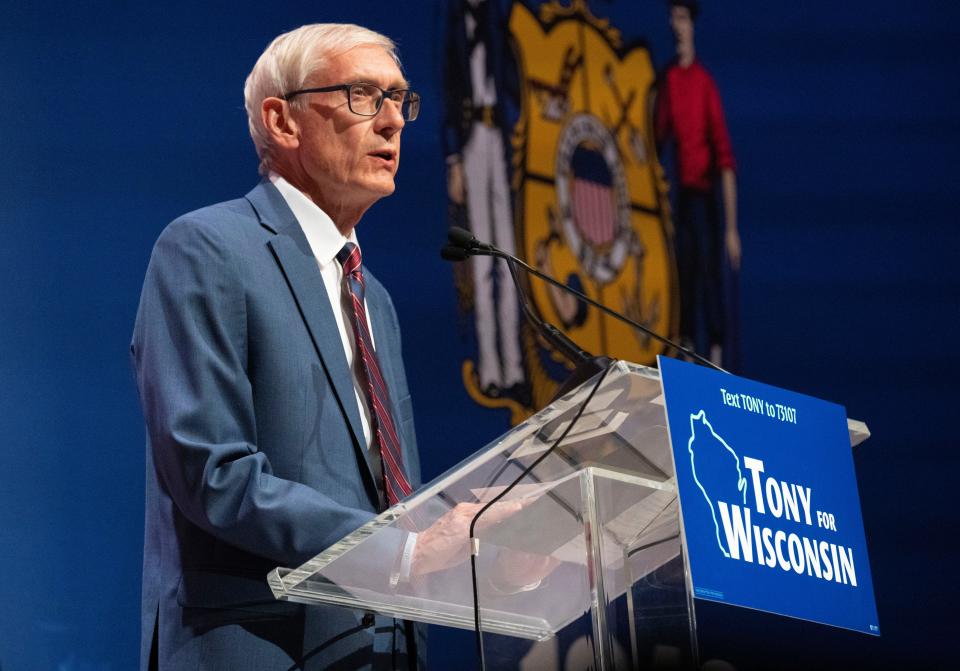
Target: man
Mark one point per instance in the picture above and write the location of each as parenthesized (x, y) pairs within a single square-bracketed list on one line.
[(269, 369), (688, 110), (480, 83)]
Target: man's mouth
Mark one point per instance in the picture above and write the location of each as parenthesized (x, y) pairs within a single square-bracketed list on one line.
[(386, 154)]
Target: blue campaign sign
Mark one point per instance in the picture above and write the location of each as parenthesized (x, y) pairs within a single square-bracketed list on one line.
[(768, 493)]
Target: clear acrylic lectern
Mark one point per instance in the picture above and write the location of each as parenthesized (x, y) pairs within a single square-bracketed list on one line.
[(600, 515)]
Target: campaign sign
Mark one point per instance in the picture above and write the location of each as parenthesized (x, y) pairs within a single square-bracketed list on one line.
[(768, 494)]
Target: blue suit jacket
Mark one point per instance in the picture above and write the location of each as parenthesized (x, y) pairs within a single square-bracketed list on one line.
[(255, 453)]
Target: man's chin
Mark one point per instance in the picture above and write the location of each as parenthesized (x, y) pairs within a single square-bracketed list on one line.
[(373, 189), (384, 188)]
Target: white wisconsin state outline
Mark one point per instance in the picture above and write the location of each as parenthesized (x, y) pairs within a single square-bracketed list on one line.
[(741, 481)]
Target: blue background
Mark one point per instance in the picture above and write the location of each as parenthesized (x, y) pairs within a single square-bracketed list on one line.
[(814, 453), (119, 116)]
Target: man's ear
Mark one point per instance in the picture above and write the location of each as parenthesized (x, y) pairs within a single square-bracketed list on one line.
[(279, 123)]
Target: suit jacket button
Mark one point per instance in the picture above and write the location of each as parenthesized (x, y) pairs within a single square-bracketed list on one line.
[(368, 620)]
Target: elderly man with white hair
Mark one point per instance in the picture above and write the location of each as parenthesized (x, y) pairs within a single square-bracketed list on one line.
[(270, 374)]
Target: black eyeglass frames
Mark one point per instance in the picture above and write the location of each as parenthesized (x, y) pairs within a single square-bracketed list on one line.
[(367, 99)]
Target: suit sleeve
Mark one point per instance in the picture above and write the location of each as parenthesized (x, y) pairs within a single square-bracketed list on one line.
[(190, 352)]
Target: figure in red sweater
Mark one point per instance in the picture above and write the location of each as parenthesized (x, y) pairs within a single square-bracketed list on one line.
[(689, 112)]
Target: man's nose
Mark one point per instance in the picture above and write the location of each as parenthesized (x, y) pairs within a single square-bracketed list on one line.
[(390, 117)]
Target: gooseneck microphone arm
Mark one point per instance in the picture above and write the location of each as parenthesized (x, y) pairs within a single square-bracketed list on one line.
[(557, 338), (569, 349), (466, 244)]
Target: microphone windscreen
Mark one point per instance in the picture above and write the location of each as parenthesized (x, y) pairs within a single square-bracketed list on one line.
[(461, 237), (452, 253)]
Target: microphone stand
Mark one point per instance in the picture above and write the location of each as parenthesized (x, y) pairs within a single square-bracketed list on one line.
[(585, 364)]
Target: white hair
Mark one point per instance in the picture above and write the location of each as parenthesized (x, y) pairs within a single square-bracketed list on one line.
[(287, 62)]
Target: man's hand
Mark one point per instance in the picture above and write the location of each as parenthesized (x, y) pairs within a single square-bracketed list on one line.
[(455, 185), (517, 571), (447, 542), (733, 247), (732, 238)]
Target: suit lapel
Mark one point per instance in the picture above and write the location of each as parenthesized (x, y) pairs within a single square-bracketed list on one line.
[(299, 267)]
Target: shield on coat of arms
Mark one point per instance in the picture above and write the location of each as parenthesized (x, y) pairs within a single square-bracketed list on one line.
[(590, 204)]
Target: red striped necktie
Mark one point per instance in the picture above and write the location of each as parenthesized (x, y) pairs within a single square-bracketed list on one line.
[(378, 399)]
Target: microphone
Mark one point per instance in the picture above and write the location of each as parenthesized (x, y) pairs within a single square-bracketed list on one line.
[(466, 243), (464, 239), (454, 253)]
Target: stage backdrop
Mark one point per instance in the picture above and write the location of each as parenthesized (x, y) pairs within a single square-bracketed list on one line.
[(118, 117)]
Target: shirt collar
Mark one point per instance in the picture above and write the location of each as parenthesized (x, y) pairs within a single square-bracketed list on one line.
[(322, 234)]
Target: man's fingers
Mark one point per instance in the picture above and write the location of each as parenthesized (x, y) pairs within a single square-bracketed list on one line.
[(497, 512)]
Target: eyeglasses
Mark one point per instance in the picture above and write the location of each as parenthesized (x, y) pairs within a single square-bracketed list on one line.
[(367, 99)]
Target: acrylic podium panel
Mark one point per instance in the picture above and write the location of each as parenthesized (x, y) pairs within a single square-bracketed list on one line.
[(602, 507)]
